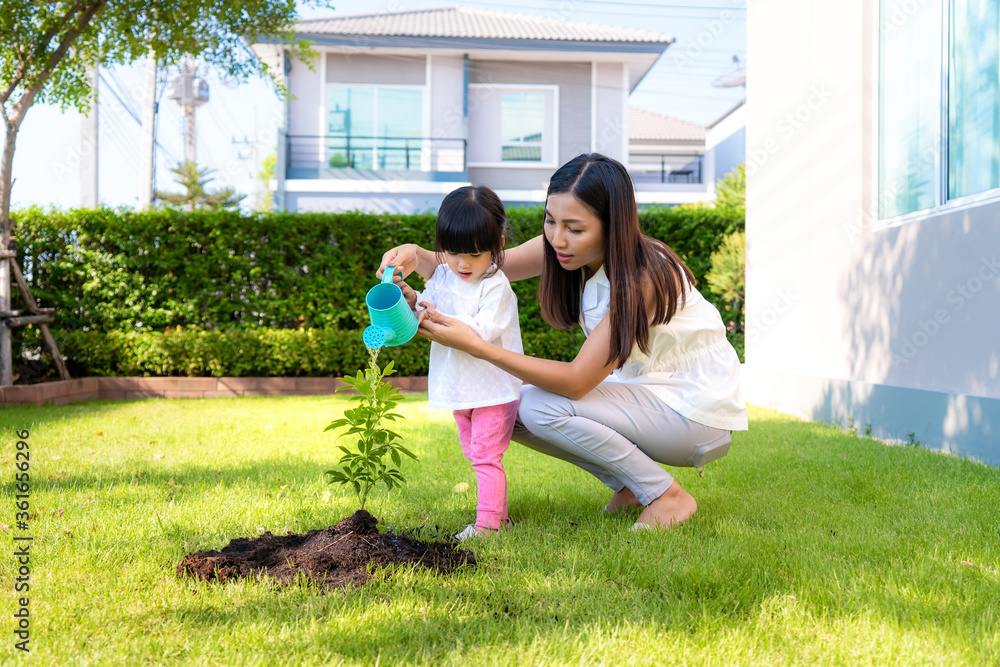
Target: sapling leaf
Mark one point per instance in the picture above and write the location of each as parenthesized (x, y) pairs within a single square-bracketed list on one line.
[(407, 452)]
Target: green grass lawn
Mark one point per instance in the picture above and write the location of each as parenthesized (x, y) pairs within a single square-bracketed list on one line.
[(810, 546)]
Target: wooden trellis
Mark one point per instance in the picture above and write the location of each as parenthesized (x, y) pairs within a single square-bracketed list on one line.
[(16, 318)]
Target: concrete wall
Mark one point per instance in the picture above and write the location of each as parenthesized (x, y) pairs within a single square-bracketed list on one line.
[(384, 202), (611, 126), (726, 144), (447, 120), (369, 69), (305, 100), (896, 327), (728, 154)]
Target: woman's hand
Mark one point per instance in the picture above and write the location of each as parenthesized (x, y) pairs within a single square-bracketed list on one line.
[(403, 256), (447, 331)]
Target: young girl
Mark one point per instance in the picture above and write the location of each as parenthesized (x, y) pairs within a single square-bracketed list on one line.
[(674, 397), (469, 286)]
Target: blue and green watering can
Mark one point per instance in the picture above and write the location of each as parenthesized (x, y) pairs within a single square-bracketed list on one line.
[(393, 323)]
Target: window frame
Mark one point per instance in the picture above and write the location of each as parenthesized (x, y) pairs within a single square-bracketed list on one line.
[(554, 145), (942, 204), (325, 113)]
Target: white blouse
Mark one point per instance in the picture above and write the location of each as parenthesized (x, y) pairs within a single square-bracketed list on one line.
[(459, 381), (690, 366)]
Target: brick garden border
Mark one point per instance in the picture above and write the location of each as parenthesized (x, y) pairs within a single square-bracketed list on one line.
[(119, 388)]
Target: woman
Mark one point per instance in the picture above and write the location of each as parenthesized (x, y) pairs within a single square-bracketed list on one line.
[(656, 381)]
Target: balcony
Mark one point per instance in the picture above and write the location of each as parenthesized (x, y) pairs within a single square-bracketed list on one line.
[(375, 158), (648, 168)]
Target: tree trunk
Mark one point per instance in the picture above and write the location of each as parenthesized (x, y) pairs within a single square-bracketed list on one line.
[(77, 17), (12, 125)]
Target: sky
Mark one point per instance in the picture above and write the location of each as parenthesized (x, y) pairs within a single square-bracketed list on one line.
[(241, 114)]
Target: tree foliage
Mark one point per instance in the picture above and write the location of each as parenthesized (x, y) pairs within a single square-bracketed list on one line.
[(53, 43), (46, 49), (731, 190), (727, 277), (267, 173), (195, 195)]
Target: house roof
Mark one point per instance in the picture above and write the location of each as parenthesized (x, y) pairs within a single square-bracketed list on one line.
[(470, 23), (649, 126)]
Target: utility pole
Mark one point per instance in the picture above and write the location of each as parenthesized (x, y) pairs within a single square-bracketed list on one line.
[(254, 174), (146, 156), (89, 138), (190, 91)]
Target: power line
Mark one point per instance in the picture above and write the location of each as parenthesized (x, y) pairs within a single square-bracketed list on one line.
[(125, 106)]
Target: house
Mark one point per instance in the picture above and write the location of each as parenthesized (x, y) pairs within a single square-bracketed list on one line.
[(668, 153), (399, 108), (682, 159), (873, 219)]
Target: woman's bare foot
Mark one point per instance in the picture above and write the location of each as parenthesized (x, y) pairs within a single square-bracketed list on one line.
[(673, 507), (621, 501)]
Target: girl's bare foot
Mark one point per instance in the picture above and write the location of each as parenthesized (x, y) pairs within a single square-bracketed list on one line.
[(673, 507), (621, 501)]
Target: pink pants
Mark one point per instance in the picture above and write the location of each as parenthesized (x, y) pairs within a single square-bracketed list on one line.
[(485, 435)]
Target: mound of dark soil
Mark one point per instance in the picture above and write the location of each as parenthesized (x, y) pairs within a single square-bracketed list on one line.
[(332, 557)]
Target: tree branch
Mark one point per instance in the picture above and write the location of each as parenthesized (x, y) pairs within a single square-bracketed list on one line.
[(21, 71), (29, 94)]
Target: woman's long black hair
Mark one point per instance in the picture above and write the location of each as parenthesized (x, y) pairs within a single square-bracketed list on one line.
[(631, 259)]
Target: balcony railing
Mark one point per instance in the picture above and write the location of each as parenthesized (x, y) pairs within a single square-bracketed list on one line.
[(665, 168), (325, 156)]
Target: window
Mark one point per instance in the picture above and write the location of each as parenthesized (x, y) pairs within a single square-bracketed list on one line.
[(521, 126), (937, 141), (974, 86), (909, 104), (513, 125), (374, 127)]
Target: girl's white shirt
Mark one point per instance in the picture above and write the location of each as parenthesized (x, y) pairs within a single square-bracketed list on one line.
[(459, 381), (690, 366)]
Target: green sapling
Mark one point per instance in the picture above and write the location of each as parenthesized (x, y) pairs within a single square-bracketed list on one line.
[(369, 465)]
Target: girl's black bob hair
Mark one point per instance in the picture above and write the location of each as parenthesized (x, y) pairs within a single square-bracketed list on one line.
[(472, 220)]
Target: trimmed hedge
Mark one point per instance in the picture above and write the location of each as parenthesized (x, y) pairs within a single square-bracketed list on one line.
[(259, 352), (119, 271)]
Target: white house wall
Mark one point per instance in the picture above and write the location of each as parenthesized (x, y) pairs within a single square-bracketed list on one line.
[(447, 120), (846, 322), (726, 144), (305, 88), (377, 203), (611, 117), (573, 80), (372, 69)]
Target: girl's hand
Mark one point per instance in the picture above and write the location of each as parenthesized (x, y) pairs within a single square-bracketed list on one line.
[(447, 331), (403, 256)]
